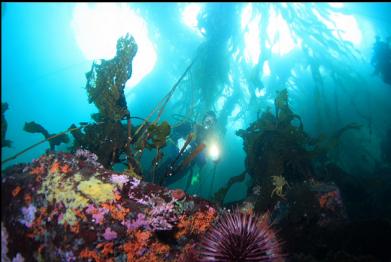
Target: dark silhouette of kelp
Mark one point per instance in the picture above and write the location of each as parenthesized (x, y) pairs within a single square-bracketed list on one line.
[(108, 137), (53, 139), (4, 142), (381, 59), (279, 152)]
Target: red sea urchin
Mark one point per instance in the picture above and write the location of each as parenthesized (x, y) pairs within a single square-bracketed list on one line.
[(241, 237)]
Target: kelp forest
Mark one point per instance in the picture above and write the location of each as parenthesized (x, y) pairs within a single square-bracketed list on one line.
[(222, 154)]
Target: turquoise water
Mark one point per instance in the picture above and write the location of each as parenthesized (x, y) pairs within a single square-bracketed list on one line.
[(246, 59)]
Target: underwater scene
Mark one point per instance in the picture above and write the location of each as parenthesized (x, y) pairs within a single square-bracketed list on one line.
[(196, 132)]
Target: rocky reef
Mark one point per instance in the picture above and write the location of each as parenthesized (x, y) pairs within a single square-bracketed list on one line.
[(68, 207)]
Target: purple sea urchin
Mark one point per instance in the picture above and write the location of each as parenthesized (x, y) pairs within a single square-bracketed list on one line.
[(241, 237)]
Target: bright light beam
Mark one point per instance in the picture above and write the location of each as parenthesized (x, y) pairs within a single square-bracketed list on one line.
[(348, 26), (251, 35), (278, 30), (214, 152), (190, 17), (98, 26)]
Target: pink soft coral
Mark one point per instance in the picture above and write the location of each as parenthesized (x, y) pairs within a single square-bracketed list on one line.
[(134, 183), (119, 179), (97, 213), (110, 234), (163, 216), (141, 221)]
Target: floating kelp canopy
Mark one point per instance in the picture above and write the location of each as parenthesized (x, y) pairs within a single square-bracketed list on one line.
[(226, 79)]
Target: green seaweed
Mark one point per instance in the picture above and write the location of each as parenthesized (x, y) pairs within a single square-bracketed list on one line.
[(106, 81), (158, 135), (108, 138), (276, 147)]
